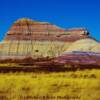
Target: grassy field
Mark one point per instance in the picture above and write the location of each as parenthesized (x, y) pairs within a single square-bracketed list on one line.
[(79, 85)]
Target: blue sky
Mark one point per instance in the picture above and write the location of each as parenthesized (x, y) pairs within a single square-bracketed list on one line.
[(64, 13)]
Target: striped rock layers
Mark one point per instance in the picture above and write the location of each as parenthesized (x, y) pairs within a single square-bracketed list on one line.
[(38, 39)]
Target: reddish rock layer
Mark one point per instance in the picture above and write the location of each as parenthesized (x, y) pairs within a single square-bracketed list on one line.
[(47, 37), (26, 29), (79, 58), (67, 61)]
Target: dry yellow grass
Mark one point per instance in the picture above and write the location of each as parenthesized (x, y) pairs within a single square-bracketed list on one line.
[(79, 85)]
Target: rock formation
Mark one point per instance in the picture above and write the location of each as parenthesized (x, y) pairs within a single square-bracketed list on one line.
[(26, 29), (85, 45), (31, 38), (79, 60), (43, 44)]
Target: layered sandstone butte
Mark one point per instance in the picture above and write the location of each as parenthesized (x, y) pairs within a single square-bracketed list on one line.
[(26, 29), (39, 39), (42, 44)]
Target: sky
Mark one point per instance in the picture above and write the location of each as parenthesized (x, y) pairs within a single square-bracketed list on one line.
[(63, 13)]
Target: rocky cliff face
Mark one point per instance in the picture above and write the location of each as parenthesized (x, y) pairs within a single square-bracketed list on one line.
[(39, 39), (28, 40), (26, 29)]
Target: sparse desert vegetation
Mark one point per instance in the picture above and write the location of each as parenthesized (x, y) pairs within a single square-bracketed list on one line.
[(78, 85)]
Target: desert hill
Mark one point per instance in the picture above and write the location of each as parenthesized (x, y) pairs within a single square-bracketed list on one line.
[(26, 29), (39, 39), (42, 45)]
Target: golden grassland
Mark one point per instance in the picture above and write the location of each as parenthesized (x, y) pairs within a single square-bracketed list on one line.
[(78, 85)]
